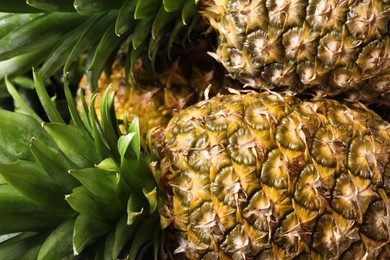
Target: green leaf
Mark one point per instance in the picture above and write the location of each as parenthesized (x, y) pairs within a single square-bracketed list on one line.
[(92, 35), (24, 81), (173, 5), (55, 164), (108, 43), (18, 214), (154, 45), (179, 25), (93, 6), (45, 28), (152, 198), (124, 190), (123, 144), (109, 122), (86, 231), (32, 253), (136, 141), (61, 52), (125, 21), (31, 181), (59, 244), (97, 132), (135, 208), (46, 102), (108, 164), (73, 107), (131, 59), (16, 6), (86, 203), (20, 248), (74, 143), (190, 9), (53, 5), (16, 130), (139, 35), (20, 101), (23, 63), (13, 21), (145, 233), (123, 235), (108, 246), (99, 182), (146, 8), (84, 113), (163, 18), (136, 173)]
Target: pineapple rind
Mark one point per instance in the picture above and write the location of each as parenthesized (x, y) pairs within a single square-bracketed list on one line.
[(322, 194), (323, 47)]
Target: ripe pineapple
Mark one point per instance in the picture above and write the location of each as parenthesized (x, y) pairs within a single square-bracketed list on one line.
[(325, 47), (243, 177), (261, 176)]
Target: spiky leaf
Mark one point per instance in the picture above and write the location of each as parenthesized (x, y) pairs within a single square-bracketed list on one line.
[(16, 130), (99, 182), (86, 231), (74, 143), (59, 244), (84, 202), (55, 164), (31, 181), (18, 214)]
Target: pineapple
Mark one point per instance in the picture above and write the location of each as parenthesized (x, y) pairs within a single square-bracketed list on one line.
[(243, 176), (322, 47), (262, 176)]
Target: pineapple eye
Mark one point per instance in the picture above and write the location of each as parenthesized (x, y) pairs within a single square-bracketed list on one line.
[(308, 191), (217, 123), (274, 172), (203, 227), (236, 242), (351, 196), (375, 224), (226, 185), (289, 236), (290, 134), (329, 146), (258, 117), (328, 233), (375, 56), (242, 147), (365, 158)]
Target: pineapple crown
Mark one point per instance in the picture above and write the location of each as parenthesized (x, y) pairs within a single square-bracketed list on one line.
[(74, 190)]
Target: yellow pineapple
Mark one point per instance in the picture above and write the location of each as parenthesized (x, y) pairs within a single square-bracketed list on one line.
[(262, 176)]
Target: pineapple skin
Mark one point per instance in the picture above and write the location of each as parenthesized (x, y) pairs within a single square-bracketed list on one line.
[(261, 176), (322, 47)]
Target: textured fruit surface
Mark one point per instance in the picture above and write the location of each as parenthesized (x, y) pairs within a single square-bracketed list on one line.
[(322, 46), (270, 177)]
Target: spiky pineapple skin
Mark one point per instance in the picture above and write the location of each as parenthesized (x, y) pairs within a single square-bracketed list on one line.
[(261, 176), (325, 47)]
